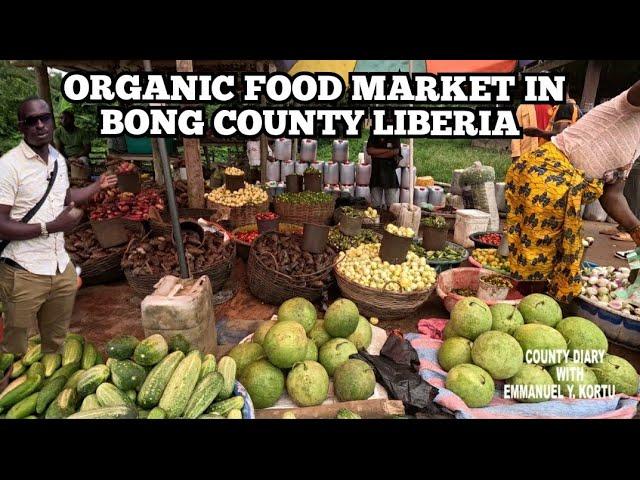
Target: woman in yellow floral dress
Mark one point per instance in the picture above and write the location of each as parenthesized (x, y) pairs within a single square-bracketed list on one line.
[(546, 188)]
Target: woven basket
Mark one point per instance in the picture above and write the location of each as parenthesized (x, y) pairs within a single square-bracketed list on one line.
[(381, 303), (245, 215), (102, 270), (274, 287), (386, 217), (165, 228), (242, 248), (218, 273), (303, 213)]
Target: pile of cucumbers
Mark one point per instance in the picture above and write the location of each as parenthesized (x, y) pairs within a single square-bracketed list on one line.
[(140, 379)]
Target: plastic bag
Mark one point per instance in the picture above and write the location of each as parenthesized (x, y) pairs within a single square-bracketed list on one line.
[(396, 369)]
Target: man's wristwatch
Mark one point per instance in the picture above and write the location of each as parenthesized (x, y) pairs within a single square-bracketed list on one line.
[(43, 230)]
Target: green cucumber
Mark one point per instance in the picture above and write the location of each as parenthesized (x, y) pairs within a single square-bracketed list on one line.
[(34, 354), (24, 408), (6, 359), (225, 406), (181, 385), (227, 368), (122, 348), (36, 368), (18, 369), (51, 362), (203, 395), (210, 416), (132, 394), (110, 396), (90, 402), (89, 356), (157, 380), (151, 350), (72, 381), (178, 342), (127, 375), (75, 336), (67, 370), (29, 386), (142, 414), (106, 413), (91, 379), (235, 414), (208, 365), (157, 414), (67, 399), (71, 351), (49, 393), (16, 383)]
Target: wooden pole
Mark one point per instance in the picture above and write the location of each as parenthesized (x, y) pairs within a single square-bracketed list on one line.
[(44, 89), (264, 146), (411, 150), (591, 80), (157, 161), (193, 163)]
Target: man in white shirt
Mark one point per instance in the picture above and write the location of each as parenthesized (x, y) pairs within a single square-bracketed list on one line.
[(38, 282)]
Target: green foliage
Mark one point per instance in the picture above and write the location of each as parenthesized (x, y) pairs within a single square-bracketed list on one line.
[(16, 84)]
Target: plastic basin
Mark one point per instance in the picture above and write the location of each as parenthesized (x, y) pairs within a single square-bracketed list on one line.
[(467, 277)]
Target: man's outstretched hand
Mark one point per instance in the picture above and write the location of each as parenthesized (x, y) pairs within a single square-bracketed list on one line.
[(107, 180)]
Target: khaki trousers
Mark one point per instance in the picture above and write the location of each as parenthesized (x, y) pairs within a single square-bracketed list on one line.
[(30, 299)]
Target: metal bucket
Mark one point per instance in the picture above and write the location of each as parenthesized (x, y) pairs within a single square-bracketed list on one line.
[(314, 237)]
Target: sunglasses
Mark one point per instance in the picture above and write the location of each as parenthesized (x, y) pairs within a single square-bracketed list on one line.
[(33, 121)]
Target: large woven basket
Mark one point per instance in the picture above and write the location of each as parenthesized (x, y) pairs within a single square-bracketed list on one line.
[(102, 270), (274, 287), (381, 303), (245, 215), (218, 273), (302, 213), (165, 228)]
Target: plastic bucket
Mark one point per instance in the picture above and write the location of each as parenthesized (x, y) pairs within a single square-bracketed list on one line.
[(294, 183), (394, 248), (434, 238), (110, 233), (493, 293), (233, 182), (312, 183), (314, 237), (349, 225), (129, 182)]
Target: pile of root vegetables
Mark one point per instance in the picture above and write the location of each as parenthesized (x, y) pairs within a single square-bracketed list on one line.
[(283, 252), (112, 203), (83, 247), (182, 193), (157, 255)]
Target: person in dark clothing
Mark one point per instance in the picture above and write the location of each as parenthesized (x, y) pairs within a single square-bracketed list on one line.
[(385, 158)]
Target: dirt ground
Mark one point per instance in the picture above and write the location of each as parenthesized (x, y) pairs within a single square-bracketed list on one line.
[(105, 311)]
